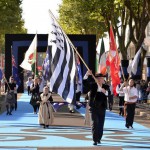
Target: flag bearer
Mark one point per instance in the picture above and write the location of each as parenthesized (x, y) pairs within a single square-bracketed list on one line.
[(131, 95), (97, 103)]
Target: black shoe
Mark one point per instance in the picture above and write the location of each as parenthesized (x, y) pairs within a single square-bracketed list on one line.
[(7, 113), (131, 127), (10, 113), (95, 143), (99, 142), (127, 126)]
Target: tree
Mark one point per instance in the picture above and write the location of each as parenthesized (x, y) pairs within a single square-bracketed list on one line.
[(130, 16), (78, 17), (10, 19), (139, 19)]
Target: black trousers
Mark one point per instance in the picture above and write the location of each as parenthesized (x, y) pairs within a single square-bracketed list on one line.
[(28, 90), (98, 119), (121, 105), (130, 109), (16, 101), (78, 95), (110, 101)]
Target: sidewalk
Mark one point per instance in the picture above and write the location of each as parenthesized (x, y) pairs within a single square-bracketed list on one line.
[(21, 131)]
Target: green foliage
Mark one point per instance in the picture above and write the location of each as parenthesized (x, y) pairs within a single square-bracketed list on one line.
[(80, 17), (10, 19), (94, 17)]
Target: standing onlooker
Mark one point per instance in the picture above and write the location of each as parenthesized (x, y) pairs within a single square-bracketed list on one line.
[(143, 93), (28, 83), (131, 95), (35, 95), (46, 109), (97, 104), (121, 98), (139, 91)]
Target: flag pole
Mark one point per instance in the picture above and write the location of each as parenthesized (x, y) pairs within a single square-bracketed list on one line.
[(35, 57), (11, 61), (73, 46)]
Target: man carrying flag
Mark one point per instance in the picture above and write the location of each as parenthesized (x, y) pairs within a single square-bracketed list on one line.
[(30, 62)]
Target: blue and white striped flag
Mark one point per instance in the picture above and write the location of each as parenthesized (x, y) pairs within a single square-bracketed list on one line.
[(62, 66)]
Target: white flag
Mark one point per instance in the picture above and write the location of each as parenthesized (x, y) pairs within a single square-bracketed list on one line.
[(134, 64), (30, 55), (129, 69)]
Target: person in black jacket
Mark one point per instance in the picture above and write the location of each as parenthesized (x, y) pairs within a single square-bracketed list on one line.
[(10, 100), (35, 95), (97, 102)]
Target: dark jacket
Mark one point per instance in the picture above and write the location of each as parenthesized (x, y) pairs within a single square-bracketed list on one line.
[(97, 100)]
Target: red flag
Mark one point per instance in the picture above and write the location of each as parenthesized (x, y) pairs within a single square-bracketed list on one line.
[(114, 62)]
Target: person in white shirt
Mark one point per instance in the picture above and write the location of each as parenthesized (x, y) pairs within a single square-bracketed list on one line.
[(131, 95), (28, 83), (41, 85), (121, 98)]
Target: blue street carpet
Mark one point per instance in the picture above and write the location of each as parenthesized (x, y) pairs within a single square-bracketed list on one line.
[(21, 131)]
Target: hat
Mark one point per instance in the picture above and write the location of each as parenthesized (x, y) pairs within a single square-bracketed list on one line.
[(99, 75)]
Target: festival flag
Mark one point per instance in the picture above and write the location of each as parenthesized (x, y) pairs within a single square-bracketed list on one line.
[(15, 71), (97, 56), (30, 61), (102, 59), (62, 68), (133, 66), (97, 63), (114, 62)]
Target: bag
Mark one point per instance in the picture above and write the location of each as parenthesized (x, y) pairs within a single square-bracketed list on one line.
[(34, 99), (10, 97)]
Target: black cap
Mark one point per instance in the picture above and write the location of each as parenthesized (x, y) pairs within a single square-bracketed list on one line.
[(100, 75)]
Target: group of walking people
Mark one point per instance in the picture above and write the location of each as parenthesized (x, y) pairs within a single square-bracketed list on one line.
[(98, 91)]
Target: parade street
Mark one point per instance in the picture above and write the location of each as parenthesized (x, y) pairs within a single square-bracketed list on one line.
[(21, 131)]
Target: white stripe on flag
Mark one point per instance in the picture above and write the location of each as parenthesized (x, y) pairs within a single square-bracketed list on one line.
[(63, 69), (135, 62)]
